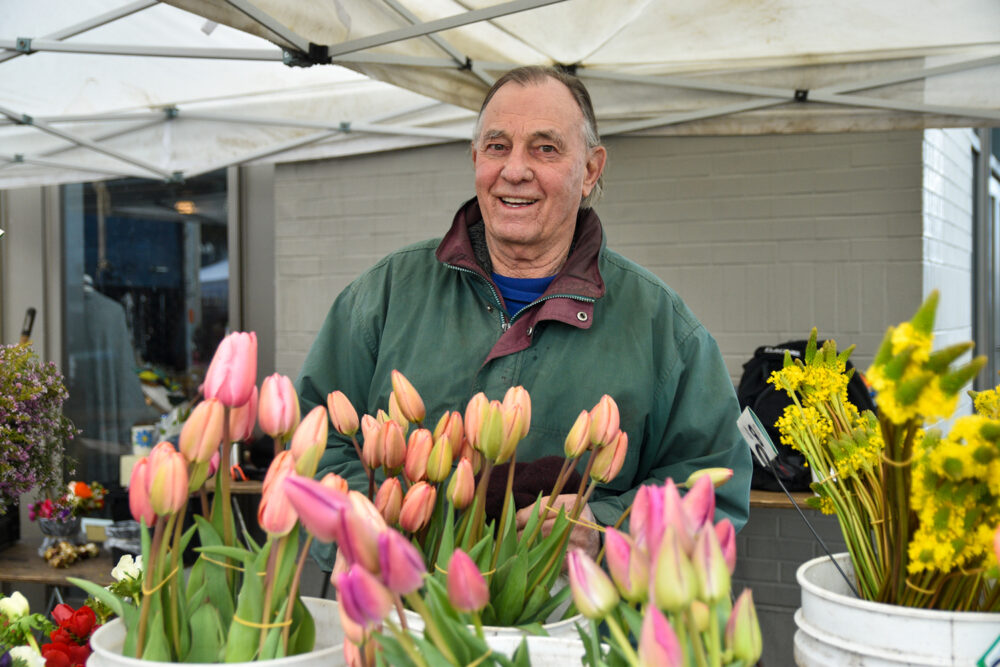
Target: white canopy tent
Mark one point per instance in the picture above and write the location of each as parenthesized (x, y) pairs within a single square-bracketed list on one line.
[(97, 88)]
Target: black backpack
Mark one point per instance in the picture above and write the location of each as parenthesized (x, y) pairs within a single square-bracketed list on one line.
[(768, 404)]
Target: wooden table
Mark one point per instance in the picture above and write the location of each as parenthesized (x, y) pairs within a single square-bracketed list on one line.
[(21, 564), (760, 498)]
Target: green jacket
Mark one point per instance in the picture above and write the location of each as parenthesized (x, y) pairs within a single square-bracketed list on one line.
[(604, 326)]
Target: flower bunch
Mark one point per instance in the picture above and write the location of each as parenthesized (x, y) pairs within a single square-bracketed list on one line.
[(69, 636), (20, 629), (33, 429), (240, 600), (435, 483), (919, 511), (669, 589), (70, 640), (80, 499)]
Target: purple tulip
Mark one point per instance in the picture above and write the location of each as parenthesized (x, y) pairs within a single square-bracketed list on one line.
[(402, 566), (318, 506), (365, 600)]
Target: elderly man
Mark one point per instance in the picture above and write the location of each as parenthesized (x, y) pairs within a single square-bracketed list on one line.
[(523, 291)]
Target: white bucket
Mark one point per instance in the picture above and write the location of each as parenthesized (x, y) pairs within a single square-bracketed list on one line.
[(835, 628)]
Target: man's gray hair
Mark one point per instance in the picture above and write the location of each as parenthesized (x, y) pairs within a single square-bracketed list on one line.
[(535, 75)]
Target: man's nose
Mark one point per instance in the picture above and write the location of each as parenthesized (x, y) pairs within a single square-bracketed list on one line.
[(517, 168)]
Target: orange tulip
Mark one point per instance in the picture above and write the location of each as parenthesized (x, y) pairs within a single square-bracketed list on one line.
[(608, 460), (393, 448), (242, 419), (578, 439), (519, 396), (201, 434), (475, 412), (309, 441), (439, 462), (334, 481), (278, 409), (514, 428), (168, 490), (410, 403), (462, 486), (232, 373), (342, 413), (418, 506), (389, 500), (451, 426), (396, 413), (276, 515), (417, 453), (604, 420), (371, 450)]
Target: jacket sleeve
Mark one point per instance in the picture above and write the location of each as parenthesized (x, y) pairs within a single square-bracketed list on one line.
[(692, 425)]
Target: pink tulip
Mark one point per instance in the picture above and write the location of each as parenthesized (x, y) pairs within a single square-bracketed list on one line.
[(450, 426), (519, 396), (467, 589), (593, 592), (353, 632), (389, 500), (699, 502), (710, 568), (357, 538), (201, 434), (342, 413), (608, 460), (676, 514), (410, 403), (578, 438), (365, 600), (402, 565), (309, 441), (604, 420), (672, 580), (646, 522), (719, 476), (161, 450), (334, 481), (462, 486), (278, 409), (658, 643), (371, 448), (418, 506), (628, 565), (475, 413), (742, 635), (138, 493), (168, 490), (439, 462), (417, 452), (242, 419), (275, 514), (232, 373), (317, 506), (726, 534), (393, 448)]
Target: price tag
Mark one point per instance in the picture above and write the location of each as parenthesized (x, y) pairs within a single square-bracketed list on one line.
[(756, 437)]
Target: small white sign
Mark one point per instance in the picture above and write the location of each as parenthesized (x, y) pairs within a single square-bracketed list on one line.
[(756, 437)]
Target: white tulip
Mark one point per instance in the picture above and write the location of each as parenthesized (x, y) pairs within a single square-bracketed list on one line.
[(127, 568), (14, 607)]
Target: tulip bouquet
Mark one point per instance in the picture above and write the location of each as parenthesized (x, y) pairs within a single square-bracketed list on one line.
[(669, 589), (434, 485), (240, 600), (919, 511)]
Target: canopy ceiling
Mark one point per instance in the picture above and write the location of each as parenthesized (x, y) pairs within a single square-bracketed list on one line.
[(91, 89)]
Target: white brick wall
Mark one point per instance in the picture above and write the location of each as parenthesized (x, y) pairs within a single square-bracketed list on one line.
[(764, 237)]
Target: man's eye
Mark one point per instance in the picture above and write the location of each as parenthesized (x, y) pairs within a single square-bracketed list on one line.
[(547, 148), (495, 147)]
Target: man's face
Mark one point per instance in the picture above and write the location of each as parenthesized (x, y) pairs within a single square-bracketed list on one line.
[(533, 166)]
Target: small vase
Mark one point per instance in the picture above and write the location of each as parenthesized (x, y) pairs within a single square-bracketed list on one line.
[(55, 531)]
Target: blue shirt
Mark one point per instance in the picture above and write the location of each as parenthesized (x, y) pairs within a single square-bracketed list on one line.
[(519, 292)]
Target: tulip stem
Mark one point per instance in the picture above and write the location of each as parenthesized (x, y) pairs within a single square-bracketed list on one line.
[(480, 515), (550, 505), (148, 583), (294, 591), (714, 655), (622, 639), (417, 604), (503, 513), (406, 641), (265, 612)]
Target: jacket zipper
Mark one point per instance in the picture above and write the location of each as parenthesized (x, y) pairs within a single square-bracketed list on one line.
[(504, 324), (574, 297)]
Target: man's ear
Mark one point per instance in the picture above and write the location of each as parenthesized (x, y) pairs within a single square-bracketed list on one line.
[(594, 168)]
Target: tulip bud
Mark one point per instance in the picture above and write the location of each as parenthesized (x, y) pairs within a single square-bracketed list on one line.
[(389, 500), (342, 413), (393, 448), (242, 419), (467, 589), (710, 569), (726, 534), (628, 565), (410, 403), (275, 514), (396, 413), (578, 439), (373, 447), (358, 535), (168, 491), (417, 452), (334, 481), (719, 476), (450, 426), (14, 607), (673, 585), (701, 615), (593, 592), (608, 460), (470, 454), (475, 414), (676, 515), (513, 431), (658, 643), (604, 419), (462, 486), (365, 600), (309, 441), (742, 635), (439, 462), (402, 565), (232, 373), (317, 505), (418, 506), (699, 503), (278, 409), (138, 493), (491, 431), (519, 396), (647, 521)]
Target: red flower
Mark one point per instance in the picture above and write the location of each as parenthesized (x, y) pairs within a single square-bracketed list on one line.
[(58, 654), (82, 490), (80, 623)]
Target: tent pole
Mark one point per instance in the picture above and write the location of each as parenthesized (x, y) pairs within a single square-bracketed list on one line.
[(148, 50), (290, 36), (265, 152), (59, 164), (677, 119)]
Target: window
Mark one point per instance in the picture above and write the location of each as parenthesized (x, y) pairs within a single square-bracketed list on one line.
[(146, 303)]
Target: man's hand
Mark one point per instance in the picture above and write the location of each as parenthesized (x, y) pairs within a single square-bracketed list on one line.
[(580, 536)]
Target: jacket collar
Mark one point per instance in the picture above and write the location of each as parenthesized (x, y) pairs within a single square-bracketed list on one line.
[(465, 246)]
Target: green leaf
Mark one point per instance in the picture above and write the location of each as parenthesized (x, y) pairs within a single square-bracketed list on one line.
[(115, 603), (303, 637), (157, 647), (811, 346), (521, 657), (243, 639), (206, 636), (508, 598)]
